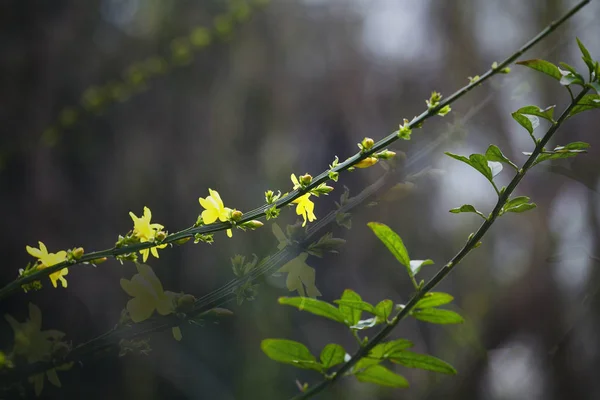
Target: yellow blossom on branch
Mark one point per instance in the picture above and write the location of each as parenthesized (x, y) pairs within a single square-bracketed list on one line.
[(146, 232), (148, 295), (214, 209), (300, 276), (37, 345), (305, 207), (46, 260)]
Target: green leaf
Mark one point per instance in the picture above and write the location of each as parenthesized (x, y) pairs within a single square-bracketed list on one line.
[(493, 153), (434, 299), (546, 113), (332, 355), (516, 201), (543, 66), (385, 350), (583, 49), (521, 208), (586, 57), (422, 361), (567, 151), (588, 102), (467, 208), (380, 375), (477, 161), (317, 307), (567, 67), (383, 309), (570, 79), (573, 146), (290, 352), (438, 316), (351, 314), (595, 86), (529, 122), (393, 242), (359, 305), (415, 265)]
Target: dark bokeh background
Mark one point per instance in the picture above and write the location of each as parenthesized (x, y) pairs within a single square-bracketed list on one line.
[(109, 106)]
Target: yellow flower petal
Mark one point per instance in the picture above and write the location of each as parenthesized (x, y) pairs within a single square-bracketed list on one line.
[(148, 274), (177, 333), (140, 308), (229, 233)]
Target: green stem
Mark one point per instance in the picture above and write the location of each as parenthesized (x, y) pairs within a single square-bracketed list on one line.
[(444, 271)]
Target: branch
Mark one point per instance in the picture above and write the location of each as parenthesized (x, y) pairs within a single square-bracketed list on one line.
[(444, 271), (294, 194)]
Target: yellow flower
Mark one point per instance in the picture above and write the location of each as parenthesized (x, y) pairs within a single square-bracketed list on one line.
[(49, 259), (295, 182), (366, 162), (148, 295), (300, 276), (305, 208), (36, 345), (146, 232), (214, 209)]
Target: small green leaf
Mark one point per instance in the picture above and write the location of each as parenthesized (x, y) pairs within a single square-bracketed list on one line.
[(567, 151), (438, 316), (385, 350), (573, 146), (393, 242), (380, 375), (290, 352), (477, 161), (383, 309), (434, 299), (317, 307), (517, 201), (422, 361), (351, 314), (567, 67), (493, 153), (529, 122), (467, 208), (570, 79), (415, 265), (546, 113), (521, 208), (332, 355), (596, 86), (588, 102), (583, 49), (543, 66)]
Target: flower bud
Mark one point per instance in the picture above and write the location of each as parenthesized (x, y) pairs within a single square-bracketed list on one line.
[(385, 155), (77, 253), (160, 236), (98, 260), (185, 302), (366, 163), (182, 240), (252, 224), (367, 143), (305, 179), (236, 215)]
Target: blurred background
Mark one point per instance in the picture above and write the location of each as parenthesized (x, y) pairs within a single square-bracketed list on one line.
[(112, 105)]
